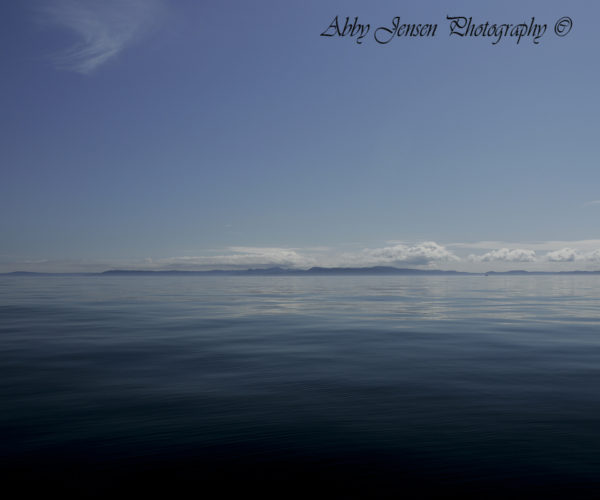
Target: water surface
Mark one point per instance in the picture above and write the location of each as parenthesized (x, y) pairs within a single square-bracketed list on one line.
[(366, 386)]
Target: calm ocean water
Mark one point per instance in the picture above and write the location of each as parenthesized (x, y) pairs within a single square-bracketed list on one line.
[(353, 386)]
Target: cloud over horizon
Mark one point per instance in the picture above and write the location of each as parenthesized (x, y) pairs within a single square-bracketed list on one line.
[(505, 255), (562, 255), (421, 254), (239, 257), (571, 255), (426, 255)]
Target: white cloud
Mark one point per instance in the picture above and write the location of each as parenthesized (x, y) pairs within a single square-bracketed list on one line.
[(592, 256), (426, 253), (505, 255), (103, 28), (562, 255), (571, 255)]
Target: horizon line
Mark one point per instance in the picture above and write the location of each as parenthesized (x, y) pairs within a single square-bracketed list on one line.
[(275, 270)]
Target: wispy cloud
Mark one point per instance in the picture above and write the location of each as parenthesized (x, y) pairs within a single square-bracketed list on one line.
[(103, 28), (538, 246), (239, 257), (594, 202)]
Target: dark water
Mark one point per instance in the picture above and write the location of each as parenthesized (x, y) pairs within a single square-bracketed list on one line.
[(309, 386)]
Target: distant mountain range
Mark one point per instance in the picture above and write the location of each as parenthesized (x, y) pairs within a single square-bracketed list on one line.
[(279, 271)]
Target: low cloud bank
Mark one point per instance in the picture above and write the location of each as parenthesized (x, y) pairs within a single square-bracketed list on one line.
[(505, 255), (424, 255)]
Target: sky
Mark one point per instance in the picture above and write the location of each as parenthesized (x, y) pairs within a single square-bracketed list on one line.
[(155, 134)]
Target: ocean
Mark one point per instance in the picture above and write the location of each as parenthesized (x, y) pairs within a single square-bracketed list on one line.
[(311, 386)]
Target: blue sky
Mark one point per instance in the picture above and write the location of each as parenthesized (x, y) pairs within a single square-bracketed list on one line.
[(217, 134)]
